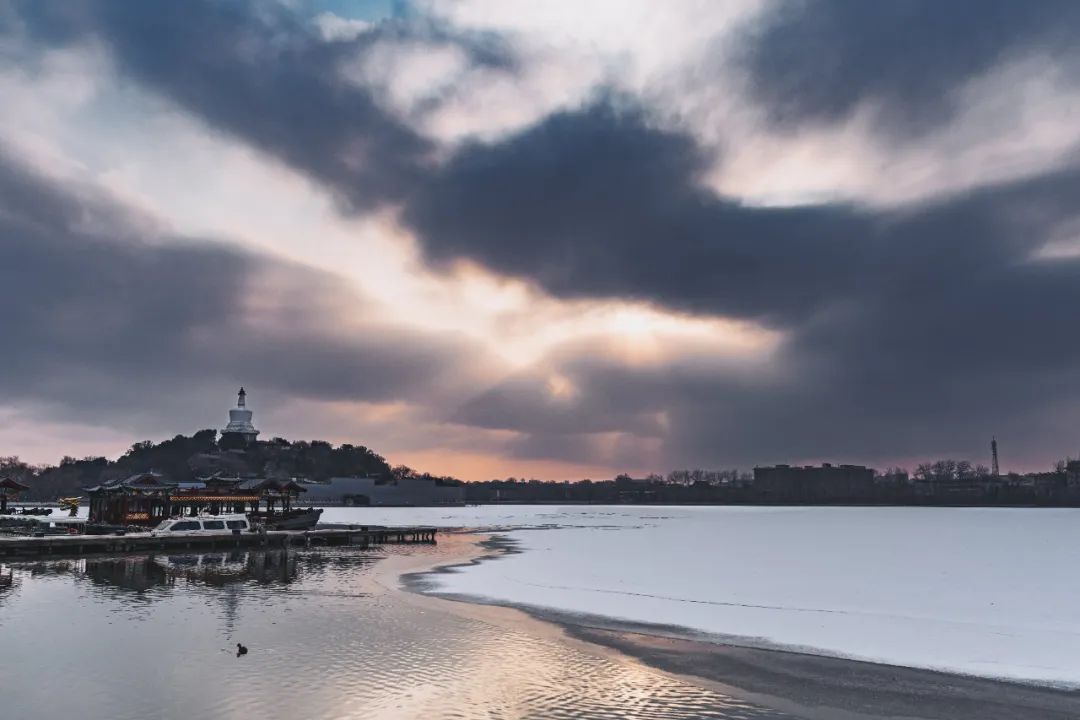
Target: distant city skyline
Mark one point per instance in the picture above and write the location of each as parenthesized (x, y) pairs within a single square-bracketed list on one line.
[(554, 240)]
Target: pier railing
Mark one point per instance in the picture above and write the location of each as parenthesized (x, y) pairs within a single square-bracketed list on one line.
[(362, 536)]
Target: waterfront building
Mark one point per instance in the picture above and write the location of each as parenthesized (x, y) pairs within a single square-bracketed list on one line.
[(954, 490), (384, 491), (810, 484), (637, 490), (1072, 475), (10, 489), (1048, 485), (148, 498), (240, 432), (140, 499)]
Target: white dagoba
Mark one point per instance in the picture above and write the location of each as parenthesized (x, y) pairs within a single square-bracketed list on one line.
[(240, 420)]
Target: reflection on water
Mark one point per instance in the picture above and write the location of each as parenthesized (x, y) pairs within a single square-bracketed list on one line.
[(7, 582), (142, 573), (155, 635)]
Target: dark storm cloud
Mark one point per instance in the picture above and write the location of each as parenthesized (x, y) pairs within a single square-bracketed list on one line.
[(951, 331), (596, 203), (588, 203), (604, 414), (922, 328), (591, 203), (527, 403), (261, 73), (100, 314), (816, 60)]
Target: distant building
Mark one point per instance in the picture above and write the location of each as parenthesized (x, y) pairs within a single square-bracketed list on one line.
[(402, 492), (1072, 474), (896, 477), (637, 490), (1048, 485), (240, 432), (810, 484), (141, 499), (954, 490)]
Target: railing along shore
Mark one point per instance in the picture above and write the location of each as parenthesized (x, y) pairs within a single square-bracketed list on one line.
[(13, 546)]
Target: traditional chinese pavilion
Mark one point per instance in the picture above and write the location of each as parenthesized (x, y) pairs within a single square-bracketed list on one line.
[(10, 489), (142, 499), (148, 498)]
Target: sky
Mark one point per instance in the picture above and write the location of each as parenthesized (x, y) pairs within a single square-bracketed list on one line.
[(495, 238)]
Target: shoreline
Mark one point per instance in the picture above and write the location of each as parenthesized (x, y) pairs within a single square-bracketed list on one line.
[(803, 684)]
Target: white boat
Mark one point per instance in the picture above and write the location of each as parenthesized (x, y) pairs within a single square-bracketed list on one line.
[(203, 525)]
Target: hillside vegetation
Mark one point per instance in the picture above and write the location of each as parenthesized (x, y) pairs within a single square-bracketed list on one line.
[(185, 458)]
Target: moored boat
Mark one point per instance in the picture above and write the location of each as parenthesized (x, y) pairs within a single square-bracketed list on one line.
[(297, 519)]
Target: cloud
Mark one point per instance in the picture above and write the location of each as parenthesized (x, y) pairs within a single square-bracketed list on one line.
[(819, 60), (259, 73), (596, 203), (920, 325), (924, 328), (334, 28), (107, 318)]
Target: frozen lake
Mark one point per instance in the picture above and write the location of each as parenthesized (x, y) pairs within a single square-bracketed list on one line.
[(990, 592), (993, 592)]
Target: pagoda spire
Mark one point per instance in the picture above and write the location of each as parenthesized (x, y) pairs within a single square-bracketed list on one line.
[(240, 431)]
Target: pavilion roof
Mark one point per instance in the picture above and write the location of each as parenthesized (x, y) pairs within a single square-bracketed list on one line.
[(138, 481), (220, 478), (12, 484), (263, 484)]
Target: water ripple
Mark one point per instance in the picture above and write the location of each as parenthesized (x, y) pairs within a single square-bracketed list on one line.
[(154, 636)]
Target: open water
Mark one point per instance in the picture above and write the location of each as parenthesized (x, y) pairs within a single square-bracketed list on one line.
[(154, 636)]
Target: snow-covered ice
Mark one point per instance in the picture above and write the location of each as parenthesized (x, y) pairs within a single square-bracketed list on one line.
[(991, 592)]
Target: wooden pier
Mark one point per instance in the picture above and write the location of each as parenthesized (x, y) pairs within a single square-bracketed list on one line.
[(15, 546)]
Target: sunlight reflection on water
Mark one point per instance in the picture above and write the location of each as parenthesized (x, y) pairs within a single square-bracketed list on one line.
[(154, 636)]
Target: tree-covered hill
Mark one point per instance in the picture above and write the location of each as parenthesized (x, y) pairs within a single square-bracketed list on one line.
[(185, 458)]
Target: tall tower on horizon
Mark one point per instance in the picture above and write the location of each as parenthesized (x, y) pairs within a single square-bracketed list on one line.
[(994, 458), (240, 431)]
